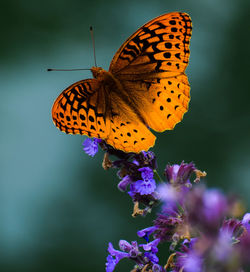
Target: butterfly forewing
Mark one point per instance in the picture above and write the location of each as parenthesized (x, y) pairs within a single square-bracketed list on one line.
[(151, 66), (161, 45)]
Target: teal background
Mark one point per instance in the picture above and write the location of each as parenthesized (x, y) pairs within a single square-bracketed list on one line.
[(59, 208)]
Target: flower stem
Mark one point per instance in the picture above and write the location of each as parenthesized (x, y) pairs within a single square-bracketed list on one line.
[(158, 176)]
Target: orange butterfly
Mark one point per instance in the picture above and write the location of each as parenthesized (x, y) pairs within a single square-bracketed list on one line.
[(145, 88)]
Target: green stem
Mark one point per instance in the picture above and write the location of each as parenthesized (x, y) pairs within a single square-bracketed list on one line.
[(158, 176)]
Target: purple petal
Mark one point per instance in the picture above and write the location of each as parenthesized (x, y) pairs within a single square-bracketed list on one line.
[(185, 171), (232, 227), (117, 253), (91, 146), (215, 204), (152, 257), (124, 183), (136, 162), (168, 193), (152, 246), (179, 174), (145, 233), (222, 250), (246, 221), (192, 263), (171, 172), (111, 263), (146, 173), (145, 187), (125, 246)]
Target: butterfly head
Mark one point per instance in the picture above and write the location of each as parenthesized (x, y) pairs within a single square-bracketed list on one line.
[(97, 72)]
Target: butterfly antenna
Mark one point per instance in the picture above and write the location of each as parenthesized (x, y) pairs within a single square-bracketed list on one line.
[(50, 69), (93, 41)]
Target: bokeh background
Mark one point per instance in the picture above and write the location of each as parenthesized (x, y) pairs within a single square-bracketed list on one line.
[(59, 208)]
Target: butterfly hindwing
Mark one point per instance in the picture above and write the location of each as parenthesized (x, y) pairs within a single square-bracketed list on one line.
[(161, 102), (80, 109), (85, 108), (128, 132)]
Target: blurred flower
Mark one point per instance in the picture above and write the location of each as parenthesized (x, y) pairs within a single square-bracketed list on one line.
[(168, 194), (206, 209), (233, 228), (246, 221), (192, 262), (244, 245), (188, 259), (91, 146), (192, 218), (222, 249)]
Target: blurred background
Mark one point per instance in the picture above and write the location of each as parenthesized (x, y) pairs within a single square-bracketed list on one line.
[(59, 208)]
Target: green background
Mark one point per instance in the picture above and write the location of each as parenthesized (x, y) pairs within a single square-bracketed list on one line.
[(59, 208)]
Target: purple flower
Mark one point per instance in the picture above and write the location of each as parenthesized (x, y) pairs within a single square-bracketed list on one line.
[(124, 183), (147, 185), (146, 173), (128, 251), (111, 263), (233, 228), (188, 259), (91, 146), (244, 248), (149, 159), (166, 226), (192, 262), (246, 222), (168, 194), (145, 233), (152, 246), (114, 257), (222, 250), (132, 248), (151, 250), (180, 174), (132, 252), (206, 210), (151, 257), (215, 204)]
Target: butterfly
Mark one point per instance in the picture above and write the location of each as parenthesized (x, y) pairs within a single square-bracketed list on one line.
[(145, 88)]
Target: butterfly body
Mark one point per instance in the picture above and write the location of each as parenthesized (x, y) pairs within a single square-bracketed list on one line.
[(145, 88)]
